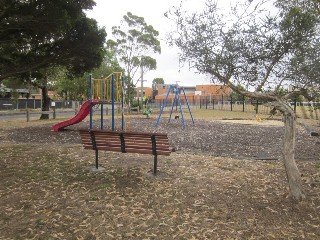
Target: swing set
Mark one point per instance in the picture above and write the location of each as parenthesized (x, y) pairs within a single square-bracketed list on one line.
[(175, 89)]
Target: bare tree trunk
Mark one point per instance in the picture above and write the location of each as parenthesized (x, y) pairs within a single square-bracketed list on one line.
[(292, 171)]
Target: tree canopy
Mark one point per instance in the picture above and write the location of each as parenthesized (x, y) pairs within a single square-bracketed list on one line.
[(134, 41), (40, 34), (38, 37), (251, 50)]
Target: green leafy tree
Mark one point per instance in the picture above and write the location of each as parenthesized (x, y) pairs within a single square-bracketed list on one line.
[(68, 86), (157, 81), (37, 36), (255, 49), (134, 41), (77, 87)]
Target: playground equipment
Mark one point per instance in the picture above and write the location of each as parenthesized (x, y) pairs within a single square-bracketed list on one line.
[(83, 112), (102, 91), (175, 89), (105, 91), (147, 112)]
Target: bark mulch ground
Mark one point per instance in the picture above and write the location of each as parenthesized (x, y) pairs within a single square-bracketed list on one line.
[(222, 183), (259, 140)]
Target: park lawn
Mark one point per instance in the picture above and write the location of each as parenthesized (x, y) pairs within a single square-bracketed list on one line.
[(46, 193)]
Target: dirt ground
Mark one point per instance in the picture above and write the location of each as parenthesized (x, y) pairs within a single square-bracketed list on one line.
[(225, 181)]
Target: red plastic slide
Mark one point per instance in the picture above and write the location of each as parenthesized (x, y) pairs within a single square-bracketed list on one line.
[(83, 112)]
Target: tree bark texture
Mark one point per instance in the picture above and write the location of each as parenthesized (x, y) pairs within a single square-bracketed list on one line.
[(292, 171), (45, 101)]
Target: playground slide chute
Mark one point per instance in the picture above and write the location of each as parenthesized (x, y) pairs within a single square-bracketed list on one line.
[(83, 112)]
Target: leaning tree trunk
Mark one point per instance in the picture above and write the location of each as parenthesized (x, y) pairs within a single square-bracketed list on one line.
[(45, 101), (292, 171)]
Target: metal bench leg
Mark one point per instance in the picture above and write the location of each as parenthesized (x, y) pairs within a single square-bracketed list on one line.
[(155, 165), (97, 159), (94, 147), (154, 152)]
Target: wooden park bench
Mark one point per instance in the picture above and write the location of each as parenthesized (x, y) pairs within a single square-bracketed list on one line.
[(126, 142)]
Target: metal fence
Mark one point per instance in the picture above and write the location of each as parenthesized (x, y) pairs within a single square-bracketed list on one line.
[(225, 103), (11, 104), (303, 109)]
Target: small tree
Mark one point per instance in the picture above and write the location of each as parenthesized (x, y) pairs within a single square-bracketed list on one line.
[(256, 49), (157, 81)]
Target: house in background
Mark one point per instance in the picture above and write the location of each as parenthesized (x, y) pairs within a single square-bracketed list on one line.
[(11, 93), (147, 92), (211, 91), (23, 93), (51, 94)]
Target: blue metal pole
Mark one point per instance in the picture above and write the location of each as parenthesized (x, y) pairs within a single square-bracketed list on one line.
[(164, 104), (102, 99), (122, 105), (185, 97), (182, 117), (90, 98), (112, 101), (173, 102)]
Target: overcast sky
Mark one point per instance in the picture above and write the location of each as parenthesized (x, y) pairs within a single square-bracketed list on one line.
[(110, 13)]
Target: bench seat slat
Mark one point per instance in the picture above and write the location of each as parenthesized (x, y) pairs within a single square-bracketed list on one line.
[(107, 138), (127, 141), (118, 141), (130, 150), (133, 144), (130, 145), (101, 141)]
